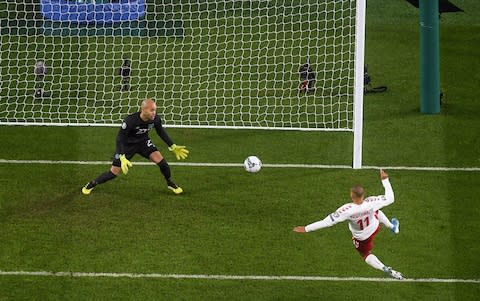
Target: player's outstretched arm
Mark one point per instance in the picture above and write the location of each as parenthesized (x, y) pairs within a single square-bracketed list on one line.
[(180, 151), (326, 222), (389, 195)]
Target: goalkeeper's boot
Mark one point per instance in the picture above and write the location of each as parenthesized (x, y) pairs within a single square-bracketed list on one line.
[(174, 187), (86, 190), (392, 273), (396, 225)]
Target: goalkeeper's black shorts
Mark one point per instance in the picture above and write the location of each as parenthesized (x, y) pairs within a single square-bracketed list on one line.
[(143, 148)]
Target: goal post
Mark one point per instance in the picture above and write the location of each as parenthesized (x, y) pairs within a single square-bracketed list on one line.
[(359, 82), (208, 64)]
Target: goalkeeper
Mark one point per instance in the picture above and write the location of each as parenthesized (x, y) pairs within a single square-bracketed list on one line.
[(133, 139)]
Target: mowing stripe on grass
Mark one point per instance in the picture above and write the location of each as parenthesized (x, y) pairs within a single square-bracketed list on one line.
[(233, 277), (193, 164)]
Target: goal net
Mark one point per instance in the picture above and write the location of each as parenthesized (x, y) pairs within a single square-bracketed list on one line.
[(207, 63)]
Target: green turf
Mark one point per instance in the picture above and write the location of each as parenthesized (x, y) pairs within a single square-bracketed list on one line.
[(231, 222), (147, 289), (134, 225)]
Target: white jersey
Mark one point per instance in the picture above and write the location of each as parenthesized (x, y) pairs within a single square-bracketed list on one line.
[(362, 219)]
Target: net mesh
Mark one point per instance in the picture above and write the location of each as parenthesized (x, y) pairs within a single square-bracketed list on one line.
[(207, 63)]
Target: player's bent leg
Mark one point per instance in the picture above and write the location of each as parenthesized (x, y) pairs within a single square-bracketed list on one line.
[(104, 177), (365, 247), (158, 159), (382, 218)]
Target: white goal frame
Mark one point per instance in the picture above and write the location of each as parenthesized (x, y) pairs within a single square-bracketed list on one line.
[(358, 85)]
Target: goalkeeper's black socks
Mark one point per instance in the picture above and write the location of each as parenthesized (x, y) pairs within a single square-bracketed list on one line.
[(165, 169), (104, 177)]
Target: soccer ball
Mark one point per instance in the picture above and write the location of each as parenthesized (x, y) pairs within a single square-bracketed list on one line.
[(252, 164)]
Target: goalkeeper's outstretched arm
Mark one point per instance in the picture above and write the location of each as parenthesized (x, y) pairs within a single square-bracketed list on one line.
[(162, 133), (179, 150)]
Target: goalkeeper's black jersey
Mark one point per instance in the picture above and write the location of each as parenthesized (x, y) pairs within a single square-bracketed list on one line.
[(134, 130)]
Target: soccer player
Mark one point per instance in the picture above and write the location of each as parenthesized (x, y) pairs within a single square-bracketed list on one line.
[(363, 216), (133, 139)]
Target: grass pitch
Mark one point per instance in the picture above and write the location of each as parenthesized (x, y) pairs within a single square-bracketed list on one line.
[(234, 223)]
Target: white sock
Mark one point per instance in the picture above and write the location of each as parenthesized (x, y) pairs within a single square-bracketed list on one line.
[(373, 261), (384, 219)]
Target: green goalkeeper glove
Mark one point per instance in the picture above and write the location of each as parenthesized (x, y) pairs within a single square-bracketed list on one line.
[(179, 150), (125, 163)]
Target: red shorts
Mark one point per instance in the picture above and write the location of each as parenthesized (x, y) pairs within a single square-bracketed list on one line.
[(364, 247), (304, 85)]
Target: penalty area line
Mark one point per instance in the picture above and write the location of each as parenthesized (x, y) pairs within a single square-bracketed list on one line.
[(231, 277), (206, 164)]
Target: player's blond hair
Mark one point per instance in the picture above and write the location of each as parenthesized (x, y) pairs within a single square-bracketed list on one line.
[(358, 191)]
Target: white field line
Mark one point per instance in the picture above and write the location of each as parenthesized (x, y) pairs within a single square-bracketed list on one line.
[(319, 166), (232, 277)]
